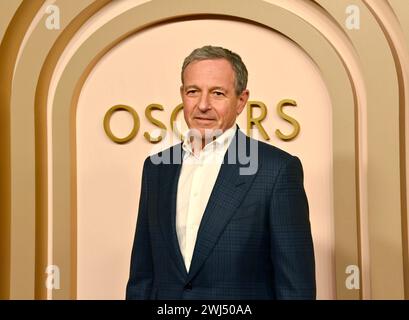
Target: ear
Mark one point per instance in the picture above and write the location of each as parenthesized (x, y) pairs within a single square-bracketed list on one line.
[(242, 101)]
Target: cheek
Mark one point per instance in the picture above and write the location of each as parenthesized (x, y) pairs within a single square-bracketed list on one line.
[(228, 113), (188, 104), (187, 111)]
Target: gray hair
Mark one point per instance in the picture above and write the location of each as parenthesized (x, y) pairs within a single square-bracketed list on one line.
[(212, 53)]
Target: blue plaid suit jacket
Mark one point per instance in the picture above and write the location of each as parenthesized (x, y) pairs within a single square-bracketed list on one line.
[(254, 240)]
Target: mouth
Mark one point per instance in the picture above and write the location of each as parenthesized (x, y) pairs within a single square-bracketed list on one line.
[(204, 119), (206, 122)]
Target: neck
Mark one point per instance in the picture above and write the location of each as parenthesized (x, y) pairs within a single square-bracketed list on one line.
[(199, 144)]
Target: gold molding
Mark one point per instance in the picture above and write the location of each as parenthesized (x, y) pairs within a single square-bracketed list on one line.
[(8, 10), (41, 98), (227, 11), (258, 13), (223, 6), (381, 167), (402, 144), (9, 50), (152, 14)]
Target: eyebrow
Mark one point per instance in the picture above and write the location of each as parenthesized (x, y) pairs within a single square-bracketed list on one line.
[(211, 89), (218, 88), (191, 87)]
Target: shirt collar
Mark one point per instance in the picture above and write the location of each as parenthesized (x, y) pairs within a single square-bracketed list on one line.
[(218, 145)]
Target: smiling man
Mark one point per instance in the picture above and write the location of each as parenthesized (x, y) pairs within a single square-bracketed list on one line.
[(206, 231), (212, 99)]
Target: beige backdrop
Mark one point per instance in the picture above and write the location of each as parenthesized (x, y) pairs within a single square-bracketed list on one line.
[(145, 69), (57, 165)]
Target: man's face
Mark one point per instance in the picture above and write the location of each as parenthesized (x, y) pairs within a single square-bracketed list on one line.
[(209, 97)]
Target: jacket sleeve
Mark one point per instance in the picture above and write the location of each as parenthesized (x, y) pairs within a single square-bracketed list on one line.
[(292, 251), (140, 281)]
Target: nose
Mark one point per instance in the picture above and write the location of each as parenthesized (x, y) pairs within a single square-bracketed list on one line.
[(204, 102)]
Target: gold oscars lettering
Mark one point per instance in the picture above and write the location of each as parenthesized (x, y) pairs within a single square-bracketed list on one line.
[(252, 121)]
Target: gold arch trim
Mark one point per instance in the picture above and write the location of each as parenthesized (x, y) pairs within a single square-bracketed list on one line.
[(41, 147), (278, 19), (402, 144), (325, 54), (9, 49)]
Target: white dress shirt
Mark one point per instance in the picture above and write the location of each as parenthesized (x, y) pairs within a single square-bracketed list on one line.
[(196, 181)]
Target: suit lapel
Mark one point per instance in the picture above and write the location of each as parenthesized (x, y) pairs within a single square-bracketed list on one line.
[(228, 192), (168, 182)]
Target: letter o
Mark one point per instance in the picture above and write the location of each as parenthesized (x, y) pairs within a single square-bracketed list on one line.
[(107, 120)]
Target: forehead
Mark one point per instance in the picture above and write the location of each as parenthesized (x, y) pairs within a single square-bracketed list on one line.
[(219, 70)]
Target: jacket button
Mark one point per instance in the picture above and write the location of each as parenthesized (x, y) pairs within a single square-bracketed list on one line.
[(188, 286)]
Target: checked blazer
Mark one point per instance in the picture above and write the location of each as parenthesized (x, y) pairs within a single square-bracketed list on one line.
[(254, 240)]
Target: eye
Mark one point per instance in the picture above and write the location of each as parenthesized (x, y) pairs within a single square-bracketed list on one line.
[(191, 92), (218, 93)]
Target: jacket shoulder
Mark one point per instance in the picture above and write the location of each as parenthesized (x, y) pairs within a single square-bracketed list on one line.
[(269, 153), (170, 155)]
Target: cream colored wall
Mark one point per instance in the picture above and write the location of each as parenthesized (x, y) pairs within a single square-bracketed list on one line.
[(146, 69), (111, 10), (319, 19), (370, 212)]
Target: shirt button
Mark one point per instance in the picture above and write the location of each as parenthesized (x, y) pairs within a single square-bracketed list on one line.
[(188, 286)]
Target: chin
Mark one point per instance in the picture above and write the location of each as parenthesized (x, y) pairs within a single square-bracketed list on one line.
[(203, 129)]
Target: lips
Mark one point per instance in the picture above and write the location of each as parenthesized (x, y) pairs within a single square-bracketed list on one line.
[(202, 118)]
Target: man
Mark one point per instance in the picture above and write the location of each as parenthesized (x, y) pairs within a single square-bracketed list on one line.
[(208, 230)]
